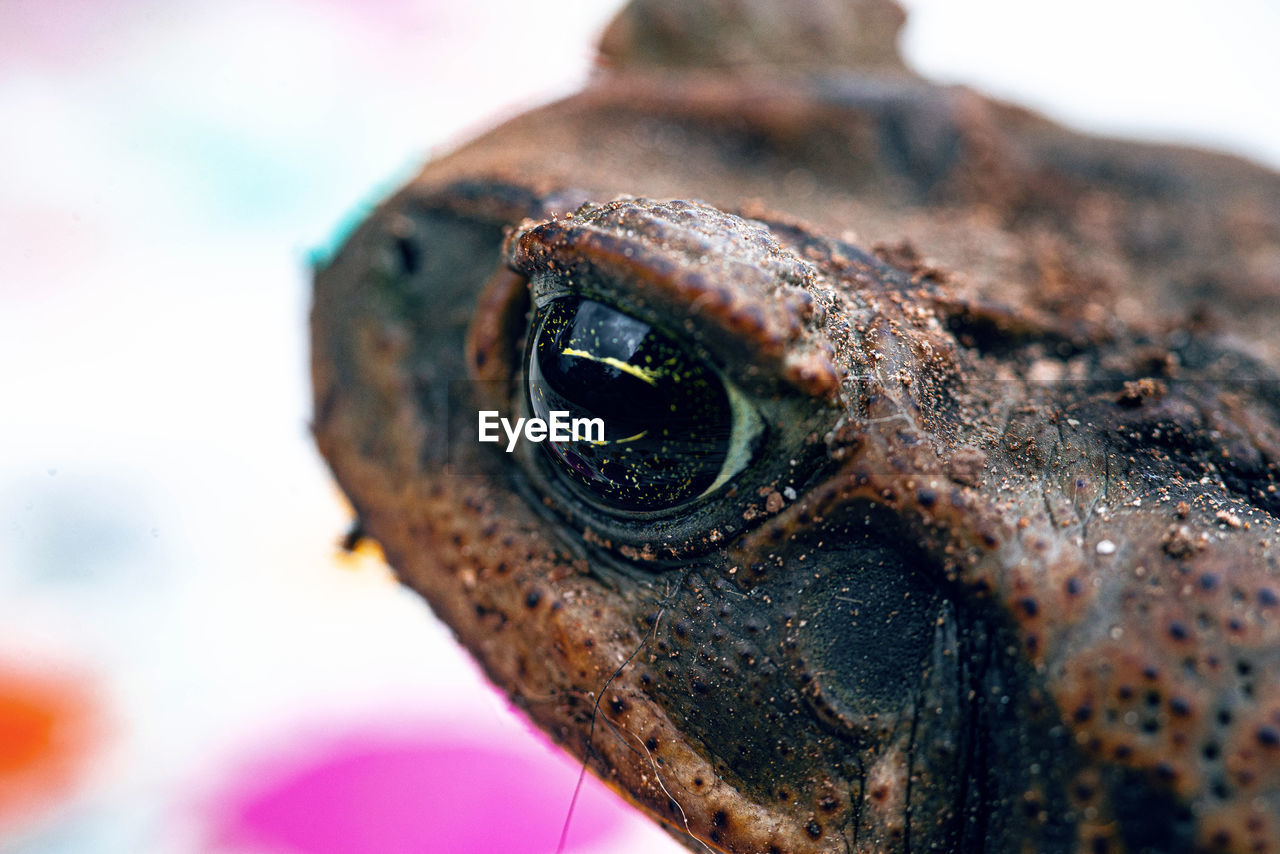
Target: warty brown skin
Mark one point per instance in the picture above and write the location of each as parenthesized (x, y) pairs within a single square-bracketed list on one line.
[(1026, 594)]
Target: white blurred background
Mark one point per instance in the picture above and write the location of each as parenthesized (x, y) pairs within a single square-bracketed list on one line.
[(185, 663)]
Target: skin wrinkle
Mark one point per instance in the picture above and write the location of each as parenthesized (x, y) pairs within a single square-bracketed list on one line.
[(595, 710), (1052, 464)]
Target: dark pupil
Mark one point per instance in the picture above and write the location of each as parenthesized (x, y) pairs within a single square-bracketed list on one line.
[(667, 417)]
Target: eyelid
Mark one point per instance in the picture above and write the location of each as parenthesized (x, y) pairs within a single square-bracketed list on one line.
[(747, 429), (742, 290)]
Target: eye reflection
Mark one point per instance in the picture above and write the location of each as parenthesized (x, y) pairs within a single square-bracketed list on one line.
[(669, 419)]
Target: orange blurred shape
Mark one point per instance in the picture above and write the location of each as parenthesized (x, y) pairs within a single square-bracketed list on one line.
[(360, 552), (356, 550), (46, 735)]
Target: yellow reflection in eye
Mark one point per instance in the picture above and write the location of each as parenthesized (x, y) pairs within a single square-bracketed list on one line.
[(648, 375)]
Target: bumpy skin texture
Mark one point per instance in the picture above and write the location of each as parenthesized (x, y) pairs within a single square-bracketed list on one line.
[(1003, 576)]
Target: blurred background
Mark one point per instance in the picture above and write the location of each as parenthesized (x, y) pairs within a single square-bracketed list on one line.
[(186, 662)]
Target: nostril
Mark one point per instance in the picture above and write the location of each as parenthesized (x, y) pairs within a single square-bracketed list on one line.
[(408, 254)]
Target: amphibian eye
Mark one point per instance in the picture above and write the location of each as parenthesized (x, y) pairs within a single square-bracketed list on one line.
[(674, 429)]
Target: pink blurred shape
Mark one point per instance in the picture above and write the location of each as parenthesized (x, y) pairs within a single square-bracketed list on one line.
[(379, 793)]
